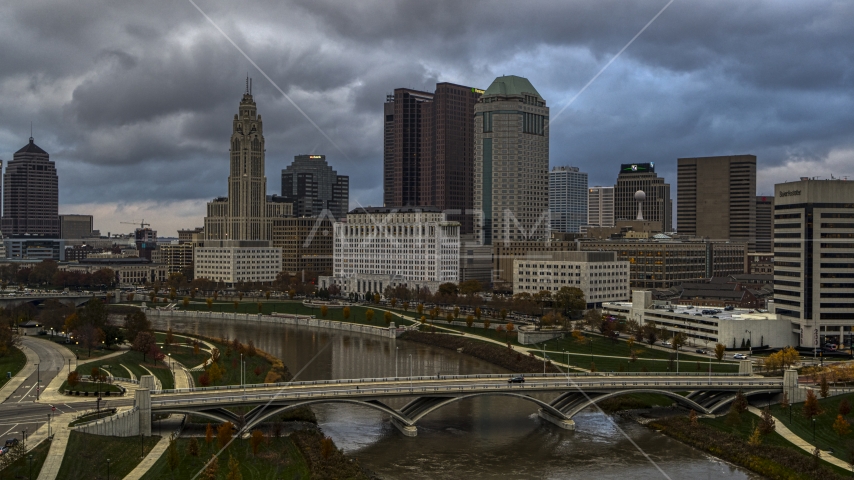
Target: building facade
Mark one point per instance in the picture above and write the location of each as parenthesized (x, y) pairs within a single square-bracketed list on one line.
[(504, 254), (599, 275), (716, 198), (128, 270), (379, 246), (75, 226), (764, 224), (657, 206), (511, 162), (246, 213), (429, 157), (663, 263), (233, 262), (176, 256), (600, 206), (814, 259), (312, 186), (760, 263), (35, 248), (31, 194), (306, 244), (567, 199), (475, 260)]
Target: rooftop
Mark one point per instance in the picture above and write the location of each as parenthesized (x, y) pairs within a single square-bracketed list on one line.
[(696, 310), (512, 85), (31, 148), (405, 209)]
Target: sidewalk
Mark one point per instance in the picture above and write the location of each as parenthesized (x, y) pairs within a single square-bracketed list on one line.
[(19, 378), (173, 426), (800, 442), (61, 432)]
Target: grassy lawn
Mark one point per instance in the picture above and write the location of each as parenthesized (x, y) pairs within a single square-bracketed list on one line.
[(277, 458), (80, 351), (745, 429), (90, 387), (230, 362), (131, 362), (86, 455), (357, 313), (20, 468), (633, 401), (13, 362), (185, 356), (825, 437)]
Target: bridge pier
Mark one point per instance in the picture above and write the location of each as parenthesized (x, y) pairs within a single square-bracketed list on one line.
[(142, 399), (564, 423), (407, 430)]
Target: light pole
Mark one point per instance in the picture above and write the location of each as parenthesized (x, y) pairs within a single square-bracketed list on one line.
[(48, 425), (30, 476), (38, 381), (813, 429), (241, 374), (395, 361), (410, 372), (108, 469)]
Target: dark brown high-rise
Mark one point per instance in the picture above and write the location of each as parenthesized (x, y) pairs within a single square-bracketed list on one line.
[(429, 150), (31, 194)]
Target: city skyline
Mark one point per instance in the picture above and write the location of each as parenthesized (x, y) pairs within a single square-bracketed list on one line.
[(160, 116)]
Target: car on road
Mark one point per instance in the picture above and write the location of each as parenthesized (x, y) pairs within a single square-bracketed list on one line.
[(700, 350), (666, 343), (519, 379), (740, 356)]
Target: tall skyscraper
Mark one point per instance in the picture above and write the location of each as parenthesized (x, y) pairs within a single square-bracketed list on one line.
[(657, 207), (511, 162), (567, 199), (813, 251), (764, 224), (245, 214), (600, 206), (311, 185), (31, 194), (428, 157), (716, 198)]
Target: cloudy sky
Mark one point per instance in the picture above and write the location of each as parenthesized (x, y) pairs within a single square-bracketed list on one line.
[(134, 100)]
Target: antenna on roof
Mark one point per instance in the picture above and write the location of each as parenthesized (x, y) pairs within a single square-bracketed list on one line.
[(250, 86), (247, 83), (31, 130)]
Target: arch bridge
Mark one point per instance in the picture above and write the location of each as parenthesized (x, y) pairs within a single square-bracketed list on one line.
[(573, 393)]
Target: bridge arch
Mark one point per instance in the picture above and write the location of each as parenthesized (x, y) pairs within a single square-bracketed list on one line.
[(420, 413), (594, 398)]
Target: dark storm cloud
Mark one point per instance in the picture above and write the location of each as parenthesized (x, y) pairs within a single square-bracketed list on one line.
[(134, 100)]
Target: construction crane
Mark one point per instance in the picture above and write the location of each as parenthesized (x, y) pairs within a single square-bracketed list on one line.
[(142, 223)]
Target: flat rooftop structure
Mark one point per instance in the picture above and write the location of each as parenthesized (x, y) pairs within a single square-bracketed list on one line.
[(697, 311)]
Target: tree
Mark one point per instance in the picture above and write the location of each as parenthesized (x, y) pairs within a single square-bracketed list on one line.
[(255, 441), (755, 438), (449, 317), (824, 387), (509, 328), (185, 302), (571, 300), (209, 301), (448, 289), (487, 324), (135, 323), (740, 403), (719, 351), (387, 318), (767, 424), (89, 336), (470, 287), (346, 313), (503, 314), (844, 407), (323, 310), (369, 315), (420, 308), (469, 321), (236, 305), (209, 433), (405, 306), (73, 378), (650, 332), (811, 407), (143, 343), (155, 353), (327, 446), (172, 457), (193, 447), (170, 337), (841, 426), (211, 469), (224, 433), (393, 302), (477, 313), (233, 469), (692, 418)]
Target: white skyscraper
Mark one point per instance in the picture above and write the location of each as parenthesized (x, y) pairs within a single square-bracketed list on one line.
[(567, 199), (600, 206)]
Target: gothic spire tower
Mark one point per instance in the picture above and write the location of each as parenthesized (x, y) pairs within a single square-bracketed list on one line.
[(244, 214)]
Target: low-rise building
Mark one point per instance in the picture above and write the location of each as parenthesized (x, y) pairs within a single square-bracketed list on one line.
[(376, 247), (128, 270), (505, 252), (237, 261), (599, 275), (34, 248), (705, 327), (176, 256), (760, 263), (741, 291), (306, 244)]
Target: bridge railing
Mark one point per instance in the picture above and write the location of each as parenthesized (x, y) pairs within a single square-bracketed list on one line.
[(752, 384), (450, 377)]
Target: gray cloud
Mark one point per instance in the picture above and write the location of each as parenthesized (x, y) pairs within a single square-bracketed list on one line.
[(134, 101)]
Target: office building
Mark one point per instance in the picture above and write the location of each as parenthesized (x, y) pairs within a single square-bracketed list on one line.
[(176, 256), (31, 194), (38, 248), (657, 206), (760, 263), (505, 253), (567, 199), (600, 206), (314, 188), (813, 266), (475, 260), (306, 244), (75, 226), (428, 150), (379, 247), (128, 270), (599, 275), (764, 224), (237, 261), (716, 325), (662, 262), (247, 212), (191, 235), (511, 165), (716, 198)]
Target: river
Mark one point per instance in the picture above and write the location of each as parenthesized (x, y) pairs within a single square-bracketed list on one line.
[(483, 438)]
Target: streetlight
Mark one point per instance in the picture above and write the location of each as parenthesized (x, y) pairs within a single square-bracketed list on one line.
[(38, 381), (48, 425), (108, 469), (410, 372), (395, 361), (813, 429), (30, 476)]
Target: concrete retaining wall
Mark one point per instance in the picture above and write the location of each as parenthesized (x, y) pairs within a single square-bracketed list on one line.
[(281, 319), (530, 337), (125, 424)]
